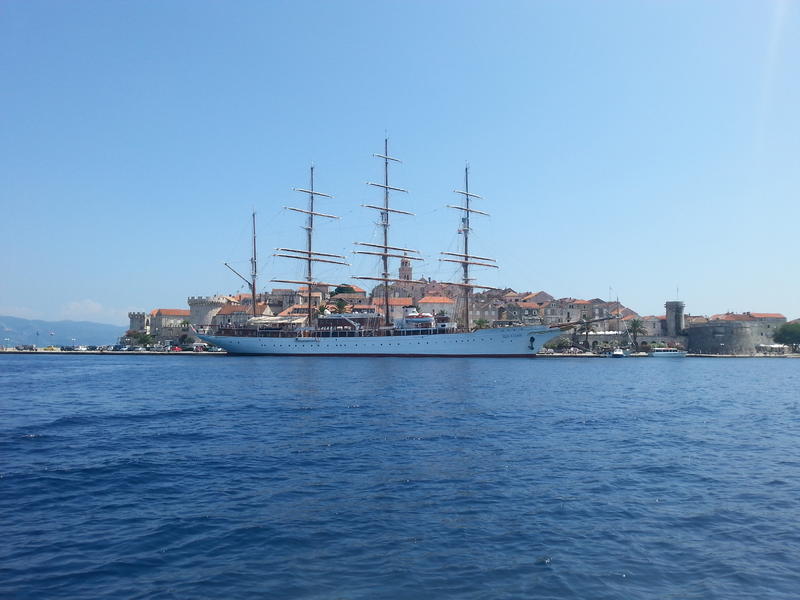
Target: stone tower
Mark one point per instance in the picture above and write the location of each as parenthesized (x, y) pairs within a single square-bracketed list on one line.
[(675, 322), (138, 321), (405, 269), (203, 308)]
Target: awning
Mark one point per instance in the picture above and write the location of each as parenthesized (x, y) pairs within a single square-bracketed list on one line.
[(287, 320)]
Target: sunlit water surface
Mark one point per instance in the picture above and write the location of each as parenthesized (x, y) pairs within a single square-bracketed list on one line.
[(221, 477)]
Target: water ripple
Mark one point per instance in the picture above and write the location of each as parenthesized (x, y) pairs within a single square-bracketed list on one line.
[(301, 478)]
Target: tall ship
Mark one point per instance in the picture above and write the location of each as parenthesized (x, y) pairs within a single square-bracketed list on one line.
[(414, 334)]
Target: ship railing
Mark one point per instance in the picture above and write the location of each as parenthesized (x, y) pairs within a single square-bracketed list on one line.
[(244, 331)]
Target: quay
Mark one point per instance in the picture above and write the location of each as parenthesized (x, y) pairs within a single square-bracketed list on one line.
[(112, 352), (223, 353)]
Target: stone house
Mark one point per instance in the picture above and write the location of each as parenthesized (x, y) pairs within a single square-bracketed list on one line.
[(488, 310), (437, 304), (524, 312), (237, 315), (396, 306)]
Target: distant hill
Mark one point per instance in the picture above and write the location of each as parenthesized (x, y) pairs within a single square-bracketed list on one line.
[(26, 331)]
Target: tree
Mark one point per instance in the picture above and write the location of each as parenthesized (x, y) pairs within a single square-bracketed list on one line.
[(789, 334), (480, 323), (142, 339), (635, 329), (560, 343), (343, 289), (341, 306)]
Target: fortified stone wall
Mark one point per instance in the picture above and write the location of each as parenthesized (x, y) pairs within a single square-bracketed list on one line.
[(730, 337), (615, 339)]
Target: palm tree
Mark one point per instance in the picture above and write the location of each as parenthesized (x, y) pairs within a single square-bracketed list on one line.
[(635, 329), (341, 306), (480, 323)]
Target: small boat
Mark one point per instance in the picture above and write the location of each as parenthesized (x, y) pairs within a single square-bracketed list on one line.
[(668, 352), (618, 353)]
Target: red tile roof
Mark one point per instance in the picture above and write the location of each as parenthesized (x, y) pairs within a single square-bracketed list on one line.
[(748, 316), (294, 310), (529, 304), (169, 312), (304, 288), (355, 287), (537, 297), (394, 301), (731, 317), (231, 309), (436, 300)]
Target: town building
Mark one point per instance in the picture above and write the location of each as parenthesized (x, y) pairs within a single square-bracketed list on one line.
[(351, 294), (416, 289), (169, 323), (490, 310), (237, 315), (437, 305), (524, 312), (396, 306)]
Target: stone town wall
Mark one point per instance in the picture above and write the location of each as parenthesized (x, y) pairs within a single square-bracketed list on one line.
[(614, 339), (730, 337)]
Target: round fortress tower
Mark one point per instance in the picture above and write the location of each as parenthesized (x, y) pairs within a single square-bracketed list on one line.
[(203, 308)]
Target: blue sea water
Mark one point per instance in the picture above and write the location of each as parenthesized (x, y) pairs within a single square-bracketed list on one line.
[(236, 477)]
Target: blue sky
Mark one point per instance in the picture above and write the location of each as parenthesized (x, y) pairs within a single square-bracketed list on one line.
[(641, 146)]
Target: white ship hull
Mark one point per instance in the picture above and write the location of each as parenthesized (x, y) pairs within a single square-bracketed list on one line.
[(500, 342)]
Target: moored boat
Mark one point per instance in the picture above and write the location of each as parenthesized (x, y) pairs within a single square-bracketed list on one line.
[(667, 352), (369, 334)]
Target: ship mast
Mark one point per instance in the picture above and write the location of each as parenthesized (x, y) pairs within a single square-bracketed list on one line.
[(253, 266), (309, 255), (253, 269), (464, 258), (385, 249)]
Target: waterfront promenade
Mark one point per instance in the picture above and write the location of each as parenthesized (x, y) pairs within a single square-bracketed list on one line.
[(223, 353)]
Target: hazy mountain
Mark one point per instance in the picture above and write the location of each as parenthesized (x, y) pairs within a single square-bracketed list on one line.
[(15, 331)]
